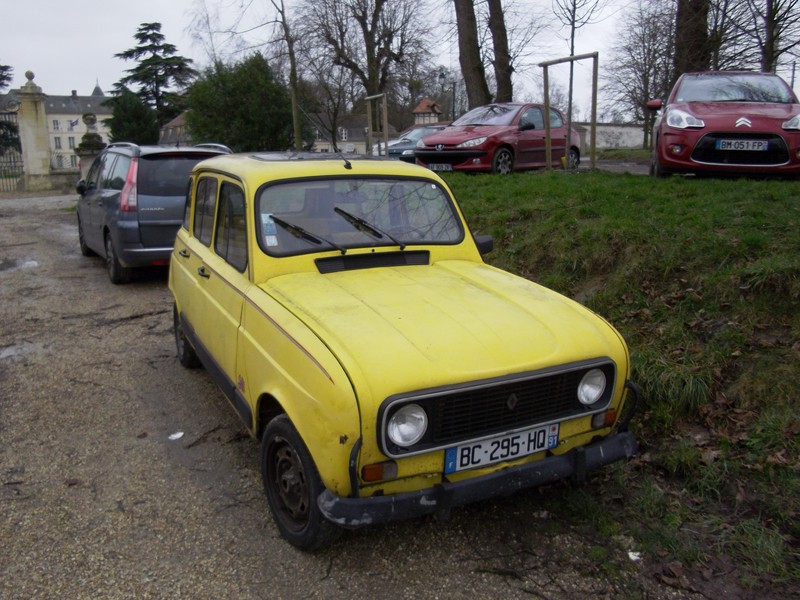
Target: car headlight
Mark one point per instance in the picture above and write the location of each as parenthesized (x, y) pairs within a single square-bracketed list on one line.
[(680, 119), (407, 426), (472, 143), (408, 152), (591, 387), (793, 123)]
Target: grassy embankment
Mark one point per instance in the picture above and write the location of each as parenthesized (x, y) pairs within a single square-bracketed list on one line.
[(702, 277)]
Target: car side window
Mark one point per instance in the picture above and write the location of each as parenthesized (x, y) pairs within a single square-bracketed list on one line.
[(230, 240), (532, 119), (205, 205), (93, 174), (115, 177), (556, 119), (188, 207), (99, 171)]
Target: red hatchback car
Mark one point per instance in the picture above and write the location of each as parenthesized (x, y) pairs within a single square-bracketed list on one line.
[(499, 138), (734, 122)]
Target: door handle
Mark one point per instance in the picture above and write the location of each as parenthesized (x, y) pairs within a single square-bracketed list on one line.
[(183, 252), (203, 273)]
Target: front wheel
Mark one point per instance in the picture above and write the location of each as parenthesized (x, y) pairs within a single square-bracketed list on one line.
[(573, 158), (292, 486), (116, 272), (503, 162)]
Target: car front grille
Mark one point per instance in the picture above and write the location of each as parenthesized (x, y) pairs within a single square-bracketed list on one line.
[(485, 408), (705, 151)]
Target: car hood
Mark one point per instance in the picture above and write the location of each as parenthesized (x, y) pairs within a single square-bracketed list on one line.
[(727, 113), (414, 327), (456, 135)]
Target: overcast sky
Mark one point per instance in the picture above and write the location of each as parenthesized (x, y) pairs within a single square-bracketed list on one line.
[(71, 45)]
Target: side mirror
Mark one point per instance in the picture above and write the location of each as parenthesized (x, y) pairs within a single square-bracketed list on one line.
[(485, 243), (81, 187), (654, 104)]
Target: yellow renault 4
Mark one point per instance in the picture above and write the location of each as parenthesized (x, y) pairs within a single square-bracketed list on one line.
[(343, 307)]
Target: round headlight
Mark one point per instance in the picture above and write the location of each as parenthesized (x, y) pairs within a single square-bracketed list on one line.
[(591, 387), (407, 426)]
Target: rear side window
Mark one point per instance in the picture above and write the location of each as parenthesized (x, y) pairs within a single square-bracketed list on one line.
[(116, 176), (230, 241), (205, 205), (166, 174)]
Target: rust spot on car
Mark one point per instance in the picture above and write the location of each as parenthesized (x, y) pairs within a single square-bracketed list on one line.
[(343, 439)]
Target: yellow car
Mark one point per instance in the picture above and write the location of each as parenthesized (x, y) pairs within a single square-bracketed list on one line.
[(343, 307)]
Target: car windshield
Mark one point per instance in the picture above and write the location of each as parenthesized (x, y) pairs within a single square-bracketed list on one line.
[(732, 87), (418, 133), (491, 114), (322, 214)]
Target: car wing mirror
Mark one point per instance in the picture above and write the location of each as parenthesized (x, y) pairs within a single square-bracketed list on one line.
[(485, 243), (81, 186), (654, 104)]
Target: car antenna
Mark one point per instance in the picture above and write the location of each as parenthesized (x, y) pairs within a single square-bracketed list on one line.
[(347, 164)]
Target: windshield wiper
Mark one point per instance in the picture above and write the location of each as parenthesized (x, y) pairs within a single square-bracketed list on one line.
[(366, 227), (301, 233)]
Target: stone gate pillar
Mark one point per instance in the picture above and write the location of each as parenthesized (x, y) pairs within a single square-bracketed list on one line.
[(33, 136)]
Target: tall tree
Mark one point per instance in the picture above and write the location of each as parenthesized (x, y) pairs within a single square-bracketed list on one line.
[(131, 119), (158, 69), (502, 55), (692, 47), (642, 60), (242, 105), (469, 54), (9, 134), (773, 28)]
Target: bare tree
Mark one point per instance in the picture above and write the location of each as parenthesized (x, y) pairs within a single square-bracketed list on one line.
[(502, 55), (642, 60), (692, 48), (774, 28), (469, 55), (729, 47)]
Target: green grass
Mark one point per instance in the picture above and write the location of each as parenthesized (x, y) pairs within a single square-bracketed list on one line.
[(702, 277)]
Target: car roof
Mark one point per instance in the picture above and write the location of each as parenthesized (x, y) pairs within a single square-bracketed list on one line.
[(146, 150), (269, 166)]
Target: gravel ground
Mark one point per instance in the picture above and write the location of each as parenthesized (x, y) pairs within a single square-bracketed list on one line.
[(97, 500)]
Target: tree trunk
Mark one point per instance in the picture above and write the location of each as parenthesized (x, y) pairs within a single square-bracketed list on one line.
[(691, 36), (502, 57), (470, 56)]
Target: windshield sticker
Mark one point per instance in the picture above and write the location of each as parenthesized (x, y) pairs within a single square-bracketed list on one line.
[(270, 232)]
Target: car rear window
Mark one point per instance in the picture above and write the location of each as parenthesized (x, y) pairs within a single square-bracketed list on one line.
[(166, 174)]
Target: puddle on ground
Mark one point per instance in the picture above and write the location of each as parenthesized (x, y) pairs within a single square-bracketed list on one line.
[(18, 264), (18, 350)]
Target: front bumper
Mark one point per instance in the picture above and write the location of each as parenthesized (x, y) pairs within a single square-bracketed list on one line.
[(359, 512)]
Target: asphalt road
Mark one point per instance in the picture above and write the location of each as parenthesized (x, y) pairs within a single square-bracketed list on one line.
[(97, 500)]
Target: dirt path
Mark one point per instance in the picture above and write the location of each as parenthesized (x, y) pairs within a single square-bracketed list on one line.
[(97, 500)]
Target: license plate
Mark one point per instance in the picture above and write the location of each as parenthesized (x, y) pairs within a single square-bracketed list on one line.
[(440, 167), (499, 448), (758, 145)]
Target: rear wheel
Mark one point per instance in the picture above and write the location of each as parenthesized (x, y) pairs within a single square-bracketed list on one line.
[(186, 354), (85, 250), (292, 485), (116, 272), (503, 161), (573, 158)]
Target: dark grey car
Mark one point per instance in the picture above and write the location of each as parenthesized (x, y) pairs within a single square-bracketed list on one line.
[(132, 203)]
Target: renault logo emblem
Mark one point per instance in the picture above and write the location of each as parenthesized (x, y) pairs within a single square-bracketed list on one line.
[(512, 402), (743, 122), (439, 147)]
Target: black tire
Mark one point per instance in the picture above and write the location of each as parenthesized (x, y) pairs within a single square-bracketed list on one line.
[(292, 485), (573, 158), (503, 162), (183, 348), (85, 250), (656, 170), (116, 272)]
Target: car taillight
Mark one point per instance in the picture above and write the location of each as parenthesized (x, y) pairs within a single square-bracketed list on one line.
[(127, 199)]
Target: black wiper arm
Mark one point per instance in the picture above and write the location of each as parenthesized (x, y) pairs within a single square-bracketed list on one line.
[(301, 233), (366, 227)]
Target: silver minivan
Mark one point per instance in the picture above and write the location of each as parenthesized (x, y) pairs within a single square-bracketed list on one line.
[(132, 203)]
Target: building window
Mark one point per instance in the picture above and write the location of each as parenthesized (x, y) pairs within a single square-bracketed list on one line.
[(56, 125), (343, 134), (60, 161), (73, 161), (71, 142), (58, 143)]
